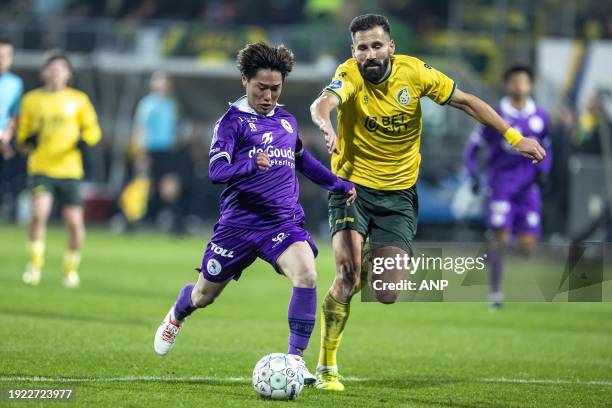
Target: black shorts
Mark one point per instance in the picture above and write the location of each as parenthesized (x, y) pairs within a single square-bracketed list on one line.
[(385, 217)]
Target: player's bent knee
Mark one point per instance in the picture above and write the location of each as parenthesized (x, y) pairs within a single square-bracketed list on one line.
[(387, 297), (306, 279)]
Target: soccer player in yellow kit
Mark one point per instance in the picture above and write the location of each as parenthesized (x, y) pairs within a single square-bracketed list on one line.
[(55, 123), (377, 96)]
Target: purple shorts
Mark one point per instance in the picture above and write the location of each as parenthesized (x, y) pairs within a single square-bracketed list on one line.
[(518, 213), (232, 249)]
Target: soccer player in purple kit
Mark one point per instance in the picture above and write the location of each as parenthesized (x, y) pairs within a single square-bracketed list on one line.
[(255, 151), (514, 203)]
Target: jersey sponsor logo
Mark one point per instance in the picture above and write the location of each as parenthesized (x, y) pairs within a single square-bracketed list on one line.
[(279, 239), (403, 97), (337, 84), (390, 125), (226, 253), (266, 138), (287, 125), (213, 267)]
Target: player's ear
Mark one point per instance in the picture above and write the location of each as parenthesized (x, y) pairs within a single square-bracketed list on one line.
[(353, 50), (244, 80), (391, 47)]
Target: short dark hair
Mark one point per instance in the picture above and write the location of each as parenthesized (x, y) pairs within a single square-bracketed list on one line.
[(516, 69), (368, 21), (57, 55), (5, 41), (258, 56)]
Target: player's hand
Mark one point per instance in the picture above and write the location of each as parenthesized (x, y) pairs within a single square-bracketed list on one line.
[(351, 195), (263, 161), (6, 150), (531, 149), (348, 189), (330, 138)]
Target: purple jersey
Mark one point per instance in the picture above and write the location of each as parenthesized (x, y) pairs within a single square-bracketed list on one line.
[(508, 172), (258, 199)]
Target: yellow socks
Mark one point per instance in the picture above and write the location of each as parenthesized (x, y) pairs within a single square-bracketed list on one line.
[(37, 254), (72, 260), (333, 319)]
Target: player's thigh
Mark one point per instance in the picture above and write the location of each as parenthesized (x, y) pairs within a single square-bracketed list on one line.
[(42, 198), (297, 262)]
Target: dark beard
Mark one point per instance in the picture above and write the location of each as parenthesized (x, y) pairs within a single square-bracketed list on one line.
[(374, 75)]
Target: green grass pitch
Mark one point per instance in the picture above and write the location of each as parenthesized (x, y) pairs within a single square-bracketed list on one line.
[(98, 339)]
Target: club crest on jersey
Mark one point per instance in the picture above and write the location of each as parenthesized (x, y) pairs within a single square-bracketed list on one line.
[(266, 138), (287, 125), (402, 96), (213, 267), (253, 127)]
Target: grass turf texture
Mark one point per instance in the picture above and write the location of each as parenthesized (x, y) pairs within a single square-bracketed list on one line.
[(408, 354)]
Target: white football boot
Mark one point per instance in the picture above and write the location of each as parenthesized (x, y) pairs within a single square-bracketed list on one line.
[(166, 334), (32, 275), (309, 378), (71, 280)]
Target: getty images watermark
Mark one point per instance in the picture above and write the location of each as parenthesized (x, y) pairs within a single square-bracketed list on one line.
[(439, 272)]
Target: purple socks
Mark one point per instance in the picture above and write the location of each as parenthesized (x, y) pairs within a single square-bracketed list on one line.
[(301, 315), (183, 306)]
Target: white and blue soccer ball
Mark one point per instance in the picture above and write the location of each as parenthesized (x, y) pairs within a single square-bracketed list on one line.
[(278, 376)]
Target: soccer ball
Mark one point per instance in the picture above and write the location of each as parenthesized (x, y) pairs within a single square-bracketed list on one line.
[(278, 376)]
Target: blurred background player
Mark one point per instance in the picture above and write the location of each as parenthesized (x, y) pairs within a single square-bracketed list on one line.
[(56, 122), (513, 182), (11, 89), (377, 94), (255, 150), (155, 132)]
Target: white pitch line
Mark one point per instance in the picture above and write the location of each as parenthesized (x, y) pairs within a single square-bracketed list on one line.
[(132, 378)]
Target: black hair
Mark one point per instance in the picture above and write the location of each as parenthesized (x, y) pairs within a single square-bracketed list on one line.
[(5, 41), (368, 21), (258, 56), (57, 55), (516, 69)]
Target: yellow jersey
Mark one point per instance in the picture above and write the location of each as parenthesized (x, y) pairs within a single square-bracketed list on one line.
[(379, 125), (59, 119)]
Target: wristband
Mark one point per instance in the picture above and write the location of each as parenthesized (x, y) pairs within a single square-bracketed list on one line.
[(513, 136)]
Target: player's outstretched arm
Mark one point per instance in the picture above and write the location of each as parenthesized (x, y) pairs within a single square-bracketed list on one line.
[(222, 171), (485, 114), (320, 112), (316, 172)]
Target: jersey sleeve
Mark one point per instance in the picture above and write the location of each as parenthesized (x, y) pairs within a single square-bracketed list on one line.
[(88, 120), (14, 108), (27, 120), (342, 84), (435, 85), (223, 141)]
